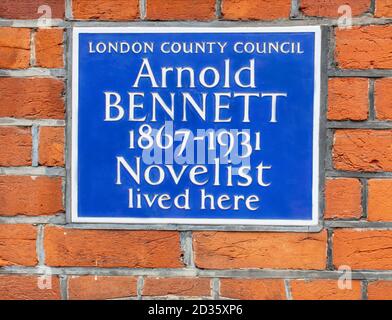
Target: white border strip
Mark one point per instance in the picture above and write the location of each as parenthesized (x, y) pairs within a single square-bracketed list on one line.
[(316, 125)]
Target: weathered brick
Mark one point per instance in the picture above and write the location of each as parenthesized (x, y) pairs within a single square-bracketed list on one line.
[(383, 8), (105, 9), (380, 290), (252, 289), (49, 51), (380, 200), (30, 196), (32, 9), (366, 47), (324, 290), (51, 146), (21, 287), (256, 9), (362, 249), (330, 8), (348, 99), (15, 145), (383, 98), (18, 246), (112, 248), (14, 48), (226, 250), (180, 10), (190, 287), (101, 287), (363, 150), (343, 198), (33, 98)]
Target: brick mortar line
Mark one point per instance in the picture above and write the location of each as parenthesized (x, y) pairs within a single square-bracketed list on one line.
[(33, 171), (187, 248), (68, 10), (329, 253), (328, 153), (35, 146), (287, 289), (139, 287), (332, 50), (358, 21), (215, 288), (362, 225), (364, 198), (332, 173), (142, 9), (40, 246), (359, 73), (30, 23), (32, 48), (372, 110), (364, 20), (59, 221), (64, 287), (6, 121), (184, 227), (295, 12), (283, 274), (36, 72), (364, 290), (64, 195), (218, 9)]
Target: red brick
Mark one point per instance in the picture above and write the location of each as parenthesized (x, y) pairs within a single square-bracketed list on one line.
[(18, 246), (180, 10), (380, 290), (324, 290), (21, 287), (348, 99), (256, 9), (31, 196), (227, 250), (380, 200), (51, 146), (112, 248), (49, 50), (330, 8), (28, 9), (363, 150), (252, 289), (105, 9), (343, 199), (383, 8), (14, 48), (362, 249), (190, 287), (32, 98), (383, 98), (15, 145), (366, 47), (101, 287)]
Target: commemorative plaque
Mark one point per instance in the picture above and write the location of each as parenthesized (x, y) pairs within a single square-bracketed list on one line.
[(208, 126)]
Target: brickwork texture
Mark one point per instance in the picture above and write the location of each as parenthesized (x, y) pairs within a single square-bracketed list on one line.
[(43, 257)]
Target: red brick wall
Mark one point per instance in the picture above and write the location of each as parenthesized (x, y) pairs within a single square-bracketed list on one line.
[(85, 263)]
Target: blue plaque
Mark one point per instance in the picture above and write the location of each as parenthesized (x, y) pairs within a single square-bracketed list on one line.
[(208, 126)]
